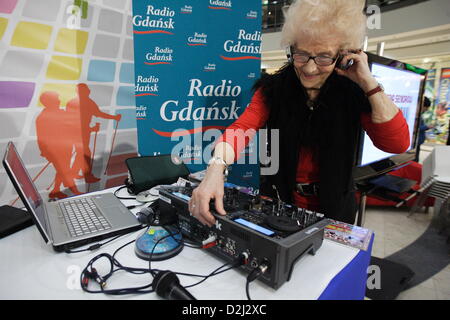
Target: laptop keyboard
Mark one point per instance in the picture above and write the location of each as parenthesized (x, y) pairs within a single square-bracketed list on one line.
[(82, 218)]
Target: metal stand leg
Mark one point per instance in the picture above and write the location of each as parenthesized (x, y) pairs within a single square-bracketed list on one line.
[(362, 210), (419, 202)]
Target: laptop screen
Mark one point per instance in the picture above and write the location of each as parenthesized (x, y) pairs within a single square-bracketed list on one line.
[(25, 188)]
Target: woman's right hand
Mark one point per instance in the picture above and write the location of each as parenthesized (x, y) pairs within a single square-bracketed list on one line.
[(212, 187)]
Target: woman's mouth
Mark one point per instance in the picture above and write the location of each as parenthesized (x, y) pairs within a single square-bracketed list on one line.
[(309, 76)]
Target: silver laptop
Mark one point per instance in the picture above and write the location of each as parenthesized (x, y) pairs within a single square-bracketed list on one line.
[(72, 222)]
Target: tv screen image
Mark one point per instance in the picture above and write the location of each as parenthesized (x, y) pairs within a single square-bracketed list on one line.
[(403, 87), (404, 84)]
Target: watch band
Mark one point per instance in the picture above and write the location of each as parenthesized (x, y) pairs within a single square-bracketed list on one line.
[(219, 161), (373, 91)]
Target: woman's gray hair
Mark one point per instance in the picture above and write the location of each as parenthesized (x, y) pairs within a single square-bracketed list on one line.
[(341, 20)]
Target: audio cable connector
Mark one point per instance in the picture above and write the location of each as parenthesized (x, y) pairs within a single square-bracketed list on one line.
[(258, 272), (255, 274)]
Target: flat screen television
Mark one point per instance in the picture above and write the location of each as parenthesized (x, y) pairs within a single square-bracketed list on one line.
[(404, 84)]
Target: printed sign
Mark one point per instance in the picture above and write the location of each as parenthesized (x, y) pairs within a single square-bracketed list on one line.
[(195, 65)]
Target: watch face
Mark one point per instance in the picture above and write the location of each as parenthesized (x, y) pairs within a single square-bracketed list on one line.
[(381, 86)]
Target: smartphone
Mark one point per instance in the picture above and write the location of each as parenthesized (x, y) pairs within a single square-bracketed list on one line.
[(342, 66)]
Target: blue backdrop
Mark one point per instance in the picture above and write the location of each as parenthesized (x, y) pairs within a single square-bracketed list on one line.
[(195, 64)]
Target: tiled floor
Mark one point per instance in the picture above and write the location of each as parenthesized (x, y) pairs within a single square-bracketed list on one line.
[(390, 238)]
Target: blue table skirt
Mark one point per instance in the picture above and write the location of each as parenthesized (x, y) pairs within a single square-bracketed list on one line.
[(350, 283)]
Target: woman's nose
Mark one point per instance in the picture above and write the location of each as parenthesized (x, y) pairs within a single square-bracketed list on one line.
[(310, 66)]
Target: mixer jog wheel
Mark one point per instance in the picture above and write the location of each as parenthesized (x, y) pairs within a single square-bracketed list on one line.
[(283, 223)]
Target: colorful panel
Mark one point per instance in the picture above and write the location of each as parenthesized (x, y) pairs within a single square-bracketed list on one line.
[(125, 96), (127, 73), (102, 71), (42, 10), (106, 46), (15, 94), (22, 64), (64, 68), (128, 51), (31, 35), (66, 91), (3, 25), (71, 41), (129, 26), (110, 21), (12, 124), (118, 4), (7, 6), (101, 94), (128, 120)]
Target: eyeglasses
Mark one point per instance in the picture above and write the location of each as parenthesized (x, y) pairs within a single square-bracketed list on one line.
[(322, 61)]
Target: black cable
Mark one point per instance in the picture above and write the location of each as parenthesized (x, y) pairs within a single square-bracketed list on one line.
[(247, 290), (95, 246), (237, 263), (214, 273), (90, 273), (253, 275), (170, 234), (123, 198)]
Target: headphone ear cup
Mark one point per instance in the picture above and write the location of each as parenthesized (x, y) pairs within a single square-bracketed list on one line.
[(146, 215), (130, 187), (289, 55)]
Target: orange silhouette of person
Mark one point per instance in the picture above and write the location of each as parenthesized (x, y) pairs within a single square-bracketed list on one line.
[(54, 142), (87, 109), (76, 136)]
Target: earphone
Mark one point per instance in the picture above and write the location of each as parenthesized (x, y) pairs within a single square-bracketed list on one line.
[(152, 215), (289, 55), (149, 215)]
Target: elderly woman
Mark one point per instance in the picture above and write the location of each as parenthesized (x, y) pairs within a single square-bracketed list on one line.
[(318, 106)]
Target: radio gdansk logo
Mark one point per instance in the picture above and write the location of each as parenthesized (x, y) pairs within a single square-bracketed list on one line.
[(252, 15), (186, 9), (159, 56), (210, 67), (141, 113), (156, 18), (146, 86), (171, 111), (198, 39), (248, 174), (220, 4), (248, 43)]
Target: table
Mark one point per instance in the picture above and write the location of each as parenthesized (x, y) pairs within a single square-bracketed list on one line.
[(30, 269)]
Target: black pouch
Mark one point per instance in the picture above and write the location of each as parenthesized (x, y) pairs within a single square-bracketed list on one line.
[(12, 220), (146, 172)]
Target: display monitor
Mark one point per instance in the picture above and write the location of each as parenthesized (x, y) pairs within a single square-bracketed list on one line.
[(404, 84)]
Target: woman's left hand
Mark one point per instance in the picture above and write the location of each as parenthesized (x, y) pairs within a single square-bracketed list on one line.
[(359, 72)]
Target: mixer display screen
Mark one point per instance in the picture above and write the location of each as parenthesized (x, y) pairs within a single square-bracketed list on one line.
[(255, 227)]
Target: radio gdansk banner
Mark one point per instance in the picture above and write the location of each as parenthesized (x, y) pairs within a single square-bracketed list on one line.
[(195, 65)]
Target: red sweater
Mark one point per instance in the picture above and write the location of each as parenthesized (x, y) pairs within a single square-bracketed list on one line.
[(391, 136)]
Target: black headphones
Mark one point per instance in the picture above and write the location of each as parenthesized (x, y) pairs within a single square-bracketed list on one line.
[(289, 55), (152, 216), (149, 215)]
